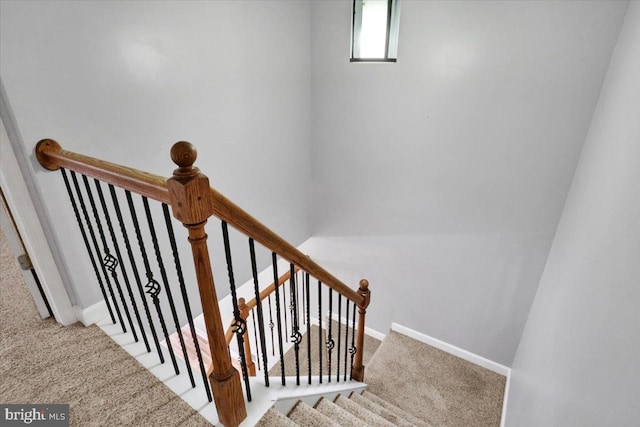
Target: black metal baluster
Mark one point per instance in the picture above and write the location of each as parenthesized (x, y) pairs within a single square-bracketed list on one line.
[(306, 285), (353, 349), (86, 243), (339, 335), (255, 336), (109, 261), (185, 298), (97, 249), (134, 268), (330, 343), (292, 301), (239, 324), (152, 287), (256, 288), (320, 329), (271, 325), (116, 248), (39, 285), (303, 297), (165, 282), (346, 339), (296, 337), (297, 289), (274, 261), (286, 308)]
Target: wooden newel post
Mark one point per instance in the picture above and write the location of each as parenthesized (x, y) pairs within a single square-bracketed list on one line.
[(244, 313), (358, 367), (192, 205)]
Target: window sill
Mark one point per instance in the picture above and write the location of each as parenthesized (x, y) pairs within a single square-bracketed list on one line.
[(373, 60)]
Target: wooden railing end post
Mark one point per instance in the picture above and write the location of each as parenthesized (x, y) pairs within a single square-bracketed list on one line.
[(191, 203), (43, 147), (358, 367)]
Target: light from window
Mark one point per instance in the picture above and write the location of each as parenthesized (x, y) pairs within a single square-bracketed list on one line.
[(374, 32)]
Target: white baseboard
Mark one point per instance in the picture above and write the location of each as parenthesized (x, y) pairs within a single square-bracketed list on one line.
[(505, 401), (368, 331), (92, 314), (452, 349)]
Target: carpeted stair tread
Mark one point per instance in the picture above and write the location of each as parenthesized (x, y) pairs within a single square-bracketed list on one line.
[(400, 419), (305, 416), (42, 361), (274, 418), (365, 415), (338, 414), (393, 409)]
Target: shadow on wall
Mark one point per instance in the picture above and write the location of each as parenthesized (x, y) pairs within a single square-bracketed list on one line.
[(473, 291)]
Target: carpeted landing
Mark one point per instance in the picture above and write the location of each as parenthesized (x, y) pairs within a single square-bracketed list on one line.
[(43, 362)]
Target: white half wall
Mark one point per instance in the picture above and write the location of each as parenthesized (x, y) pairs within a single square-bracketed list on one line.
[(123, 81), (443, 176), (577, 363)]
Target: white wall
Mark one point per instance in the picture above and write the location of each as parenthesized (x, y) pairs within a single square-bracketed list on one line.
[(123, 81), (577, 363), (454, 162)]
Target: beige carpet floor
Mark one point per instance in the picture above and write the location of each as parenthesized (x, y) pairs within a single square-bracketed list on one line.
[(435, 386), (370, 346), (43, 362)]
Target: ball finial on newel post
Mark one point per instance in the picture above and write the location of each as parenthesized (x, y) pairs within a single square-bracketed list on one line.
[(184, 155)]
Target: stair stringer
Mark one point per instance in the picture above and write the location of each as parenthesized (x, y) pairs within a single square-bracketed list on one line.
[(283, 398)]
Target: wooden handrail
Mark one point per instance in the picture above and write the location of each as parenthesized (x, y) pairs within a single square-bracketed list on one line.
[(52, 157), (231, 213), (193, 201), (253, 302), (270, 289)]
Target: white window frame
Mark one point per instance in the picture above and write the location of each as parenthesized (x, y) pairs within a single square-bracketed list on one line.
[(392, 30)]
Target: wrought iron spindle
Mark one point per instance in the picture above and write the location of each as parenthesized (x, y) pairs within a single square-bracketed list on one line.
[(346, 339), (152, 286), (303, 297), (239, 324), (134, 268), (125, 276), (339, 336), (305, 287), (271, 325), (165, 282), (298, 311), (352, 349), (330, 343), (256, 288), (320, 330), (286, 308), (296, 337), (109, 261), (185, 298), (86, 243), (255, 335), (96, 247), (274, 262)]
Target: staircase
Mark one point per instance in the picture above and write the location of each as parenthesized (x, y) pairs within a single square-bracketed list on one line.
[(358, 410), (409, 383), (111, 202)]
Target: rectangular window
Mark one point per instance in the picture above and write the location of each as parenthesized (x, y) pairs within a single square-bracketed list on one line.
[(374, 30)]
